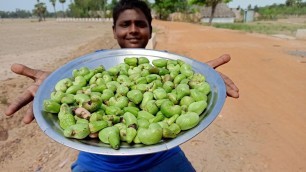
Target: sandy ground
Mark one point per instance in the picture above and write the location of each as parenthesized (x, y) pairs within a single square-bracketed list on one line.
[(263, 130)]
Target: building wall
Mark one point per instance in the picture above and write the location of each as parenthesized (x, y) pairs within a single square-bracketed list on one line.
[(219, 20), (249, 16)]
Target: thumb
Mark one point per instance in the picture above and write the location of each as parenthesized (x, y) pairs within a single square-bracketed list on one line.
[(225, 58), (21, 69)]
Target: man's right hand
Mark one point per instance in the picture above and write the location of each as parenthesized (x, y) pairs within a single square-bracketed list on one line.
[(28, 95)]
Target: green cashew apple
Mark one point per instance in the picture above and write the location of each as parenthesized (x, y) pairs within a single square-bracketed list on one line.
[(135, 96), (188, 120), (169, 109), (77, 131), (65, 116), (151, 135), (197, 107), (110, 135), (96, 126), (51, 106)]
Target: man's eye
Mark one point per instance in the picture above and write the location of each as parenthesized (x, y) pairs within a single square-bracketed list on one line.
[(142, 24), (124, 24)]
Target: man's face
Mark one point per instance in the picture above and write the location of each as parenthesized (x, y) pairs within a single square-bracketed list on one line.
[(132, 29)]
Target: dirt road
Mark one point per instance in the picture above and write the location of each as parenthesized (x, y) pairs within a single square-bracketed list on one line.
[(263, 130)]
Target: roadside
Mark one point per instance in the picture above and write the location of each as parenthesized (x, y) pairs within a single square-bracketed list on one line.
[(283, 28), (263, 130)]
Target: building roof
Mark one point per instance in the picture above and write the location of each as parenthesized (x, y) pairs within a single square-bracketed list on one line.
[(222, 11)]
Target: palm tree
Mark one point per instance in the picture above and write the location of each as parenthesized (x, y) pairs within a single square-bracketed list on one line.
[(53, 4), (40, 10), (62, 2)]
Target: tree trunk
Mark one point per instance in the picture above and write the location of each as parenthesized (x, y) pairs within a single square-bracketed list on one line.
[(212, 15), (40, 17), (63, 10), (55, 14)]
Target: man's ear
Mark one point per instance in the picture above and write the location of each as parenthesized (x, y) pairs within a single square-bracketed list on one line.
[(114, 32)]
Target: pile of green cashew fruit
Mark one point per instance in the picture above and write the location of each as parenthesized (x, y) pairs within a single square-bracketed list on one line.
[(134, 102)]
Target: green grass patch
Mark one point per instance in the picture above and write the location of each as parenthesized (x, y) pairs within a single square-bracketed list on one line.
[(269, 28)]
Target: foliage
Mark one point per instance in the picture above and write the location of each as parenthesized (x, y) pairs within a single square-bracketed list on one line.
[(15, 14), (53, 2), (62, 2), (293, 2), (263, 27), (208, 2), (40, 10), (280, 11), (109, 7), (164, 8), (88, 8)]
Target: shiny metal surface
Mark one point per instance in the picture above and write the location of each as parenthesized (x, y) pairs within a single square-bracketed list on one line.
[(108, 58)]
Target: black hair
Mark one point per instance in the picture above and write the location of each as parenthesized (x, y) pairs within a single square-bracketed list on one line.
[(123, 5)]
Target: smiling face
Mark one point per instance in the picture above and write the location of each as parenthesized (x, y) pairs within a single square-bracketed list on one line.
[(132, 30)]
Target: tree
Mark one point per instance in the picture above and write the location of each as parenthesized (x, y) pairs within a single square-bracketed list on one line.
[(63, 2), (40, 10), (88, 8), (249, 7), (163, 8), (166, 7), (210, 3), (289, 2), (18, 13), (96, 5), (256, 8), (111, 5), (53, 4), (293, 2)]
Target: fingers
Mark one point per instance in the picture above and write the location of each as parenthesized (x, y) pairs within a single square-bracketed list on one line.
[(231, 89), (219, 61), (26, 71), (21, 101), (29, 116), (232, 93), (28, 95)]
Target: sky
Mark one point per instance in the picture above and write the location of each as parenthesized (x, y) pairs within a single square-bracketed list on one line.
[(12, 5)]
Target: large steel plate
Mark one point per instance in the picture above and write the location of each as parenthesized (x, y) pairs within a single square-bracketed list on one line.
[(109, 58)]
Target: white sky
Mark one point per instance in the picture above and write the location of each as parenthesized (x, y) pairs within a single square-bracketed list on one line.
[(12, 5)]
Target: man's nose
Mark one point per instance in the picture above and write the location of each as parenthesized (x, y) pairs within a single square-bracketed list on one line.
[(133, 28)]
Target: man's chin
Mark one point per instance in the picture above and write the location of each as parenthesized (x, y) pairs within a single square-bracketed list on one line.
[(138, 45)]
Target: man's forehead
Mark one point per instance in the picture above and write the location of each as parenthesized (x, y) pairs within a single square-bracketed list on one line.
[(132, 14)]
